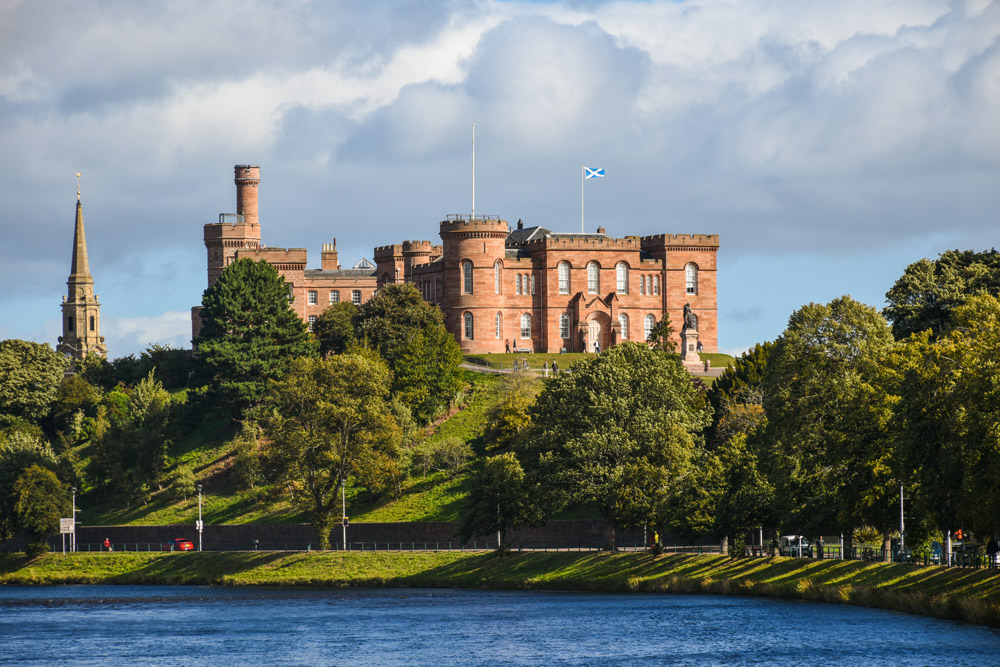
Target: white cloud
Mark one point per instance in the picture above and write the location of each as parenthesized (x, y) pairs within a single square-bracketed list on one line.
[(132, 335)]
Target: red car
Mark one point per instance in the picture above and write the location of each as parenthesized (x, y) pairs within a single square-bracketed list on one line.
[(178, 545)]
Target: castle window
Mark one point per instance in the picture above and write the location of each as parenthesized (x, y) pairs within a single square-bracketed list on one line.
[(642, 285), (288, 286), (564, 326), (647, 326), (467, 277), (564, 277), (621, 272), (532, 284), (356, 297), (526, 326), (517, 284), (467, 319), (623, 323), (385, 279), (312, 322), (499, 325), (313, 297), (593, 278), (656, 285), (691, 278), (334, 296), (93, 323), (69, 323), (497, 275)]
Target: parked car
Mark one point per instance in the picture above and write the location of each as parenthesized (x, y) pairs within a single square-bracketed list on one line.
[(178, 544), (789, 545)]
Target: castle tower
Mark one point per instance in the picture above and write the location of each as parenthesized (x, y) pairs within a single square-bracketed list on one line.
[(474, 250), (81, 311), (235, 231)]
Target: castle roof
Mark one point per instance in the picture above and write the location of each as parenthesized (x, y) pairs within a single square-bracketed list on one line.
[(340, 273), (522, 235)]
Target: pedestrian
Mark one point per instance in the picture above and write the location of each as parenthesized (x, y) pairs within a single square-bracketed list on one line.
[(555, 368), (701, 348), (597, 347), (107, 544), (507, 344), (545, 368), (992, 549), (819, 548)]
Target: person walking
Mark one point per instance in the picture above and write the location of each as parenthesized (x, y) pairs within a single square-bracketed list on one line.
[(992, 549), (545, 368), (507, 344), (107, 544), (555, 368)]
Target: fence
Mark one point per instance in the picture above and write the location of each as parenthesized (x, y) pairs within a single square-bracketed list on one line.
[(873, 555), (57, 547)]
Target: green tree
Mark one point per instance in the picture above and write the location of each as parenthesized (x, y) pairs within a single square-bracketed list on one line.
[(410, 335), (41, 500), (327, 420), (739, 385), (19, 450), (334, 328), (249, 334), (927, 294), (498, 501), (616, 432), (661, 337), (829, 404), (508, 417), (30, 375)]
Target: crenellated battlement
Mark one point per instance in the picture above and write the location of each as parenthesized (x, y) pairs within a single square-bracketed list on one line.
[(461, 225), (413, 247), (686, 240), (276, 255)]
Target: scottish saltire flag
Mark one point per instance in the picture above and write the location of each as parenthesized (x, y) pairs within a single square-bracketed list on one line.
[(593, 173)]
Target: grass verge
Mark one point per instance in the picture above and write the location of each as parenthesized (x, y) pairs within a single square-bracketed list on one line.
[(972, 596)]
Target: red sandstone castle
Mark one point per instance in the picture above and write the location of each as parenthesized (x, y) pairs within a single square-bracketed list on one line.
[(535, 289)]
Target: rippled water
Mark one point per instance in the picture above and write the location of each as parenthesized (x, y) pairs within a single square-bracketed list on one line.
[(189, 625)]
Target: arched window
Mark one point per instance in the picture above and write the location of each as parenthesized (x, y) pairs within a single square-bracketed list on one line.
[(467, 277), (564, 326), (93, 323), (642, 285), (467, 318), (623, 323), (564, 277), (499, 326), (526, 326), (593, 278), (334, 296), (497, 273), (385, 279), (691, 278), (647, 326), (656, 285), (517, 284), (621, 273), (532, 284)]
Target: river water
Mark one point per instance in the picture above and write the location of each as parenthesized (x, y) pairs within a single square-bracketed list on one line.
[(222, 627)]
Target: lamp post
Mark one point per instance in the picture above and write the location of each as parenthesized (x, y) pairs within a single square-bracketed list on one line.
[(72, 536), (343, 512), (199, 517)]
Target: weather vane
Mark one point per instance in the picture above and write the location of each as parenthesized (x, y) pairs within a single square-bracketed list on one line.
[(78, 186)]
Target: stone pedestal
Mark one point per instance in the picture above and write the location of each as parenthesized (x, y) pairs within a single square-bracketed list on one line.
[(689, 349)]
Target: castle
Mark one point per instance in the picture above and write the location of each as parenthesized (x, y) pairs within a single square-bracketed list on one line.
[(528, 288)]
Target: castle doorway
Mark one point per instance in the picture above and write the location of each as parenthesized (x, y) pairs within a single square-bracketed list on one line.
[(598, 331)]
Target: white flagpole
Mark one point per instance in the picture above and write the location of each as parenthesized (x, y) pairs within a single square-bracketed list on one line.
[(473, 171), (582, 169)]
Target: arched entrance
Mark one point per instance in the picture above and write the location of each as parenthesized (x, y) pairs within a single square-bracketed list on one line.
[(598, 331)]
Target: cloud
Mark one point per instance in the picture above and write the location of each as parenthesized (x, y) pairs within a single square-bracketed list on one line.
[(138, 333)]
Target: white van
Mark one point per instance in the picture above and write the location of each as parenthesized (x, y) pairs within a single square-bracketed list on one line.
[(795, 546)]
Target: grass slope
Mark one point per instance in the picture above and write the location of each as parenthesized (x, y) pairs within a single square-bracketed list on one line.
[(967, 595)]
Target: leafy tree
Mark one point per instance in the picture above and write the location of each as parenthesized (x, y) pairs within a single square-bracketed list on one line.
[(334, 328), (617, 432), (507, 418), (20, 449), (661, 337), (181, 484), (829, 403), (30, 374), (41, 499), (76, 400), (927, 294), (327, 420), (249, 333), (498, 501), (410, 335), (747, 495), (449, 456), (739, 385), (130, 453)]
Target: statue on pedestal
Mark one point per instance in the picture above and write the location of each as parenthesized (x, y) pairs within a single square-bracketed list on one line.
[(690, 321)]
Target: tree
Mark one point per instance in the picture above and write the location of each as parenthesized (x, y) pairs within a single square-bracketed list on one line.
[(41, 499), (739, 385), (19, 450), (30, 374), (409, 334), (334, 328), (326, 420), (829, 402), (617, 432), (249, 333), (661, 337), (927, 294), (498, 500), (507, 418)]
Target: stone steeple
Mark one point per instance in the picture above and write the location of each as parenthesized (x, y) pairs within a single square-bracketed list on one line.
[(81, 311)]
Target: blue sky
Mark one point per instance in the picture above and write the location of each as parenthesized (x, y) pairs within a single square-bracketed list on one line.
[(829, 144)]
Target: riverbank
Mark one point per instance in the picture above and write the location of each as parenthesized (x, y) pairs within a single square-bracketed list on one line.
[(967, 595)]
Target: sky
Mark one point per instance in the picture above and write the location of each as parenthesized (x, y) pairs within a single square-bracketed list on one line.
[(829, 143)]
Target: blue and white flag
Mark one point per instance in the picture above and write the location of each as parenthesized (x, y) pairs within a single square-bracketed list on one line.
[(593, 173)]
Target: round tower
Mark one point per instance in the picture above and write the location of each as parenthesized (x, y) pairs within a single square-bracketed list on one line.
[(247, 180), (473, 255)]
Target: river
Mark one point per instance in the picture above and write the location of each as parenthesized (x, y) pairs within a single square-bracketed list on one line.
[(229, 626)]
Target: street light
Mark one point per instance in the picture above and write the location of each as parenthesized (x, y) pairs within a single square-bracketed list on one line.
[(200, 524), (343, 511), (72, 537)]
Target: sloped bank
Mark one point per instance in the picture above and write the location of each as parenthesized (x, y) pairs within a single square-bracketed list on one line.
[(967, 595)]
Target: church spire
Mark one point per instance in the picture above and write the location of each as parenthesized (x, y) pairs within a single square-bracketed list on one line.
[(80, 268), (81, 309)]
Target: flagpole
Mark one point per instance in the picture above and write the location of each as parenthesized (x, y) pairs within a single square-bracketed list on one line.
[(473, 171), (581, 198)]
